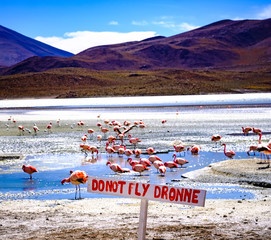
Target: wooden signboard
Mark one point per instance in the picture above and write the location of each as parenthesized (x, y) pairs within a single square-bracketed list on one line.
[(145, 192)]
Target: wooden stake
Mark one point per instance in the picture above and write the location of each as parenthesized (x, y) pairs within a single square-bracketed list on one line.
[(143, 219)]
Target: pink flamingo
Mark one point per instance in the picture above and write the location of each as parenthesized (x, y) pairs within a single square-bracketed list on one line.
[(267, 151), (128, 152), (194, 149), (132, 162), (153, 158), (246, 130), (158, 164), (108, 149), (256, 130), (150, 150), (179, 148), (254, 147), (179, 161), (162, 170), (229, 154), (29, 169), (216, 138), (116, 167), (145, 162), (93, 150), (21, 129), (133, 141), (84, 138), (171, 165), (76, 178), (137, 152), (85, 148), (139, 168)]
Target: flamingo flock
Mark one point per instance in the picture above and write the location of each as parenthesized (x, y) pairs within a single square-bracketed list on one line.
[(118, 142)]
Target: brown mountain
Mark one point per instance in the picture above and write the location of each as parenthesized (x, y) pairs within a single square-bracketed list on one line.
[(15, 47), (225, 44)]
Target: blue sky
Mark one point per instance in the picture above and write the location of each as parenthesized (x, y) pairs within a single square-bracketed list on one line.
[(75, 25)]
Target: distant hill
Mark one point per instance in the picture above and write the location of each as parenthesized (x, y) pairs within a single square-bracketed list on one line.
[(15, 47), (226, 44)]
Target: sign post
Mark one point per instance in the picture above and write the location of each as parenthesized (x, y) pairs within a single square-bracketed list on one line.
[(145, 192)]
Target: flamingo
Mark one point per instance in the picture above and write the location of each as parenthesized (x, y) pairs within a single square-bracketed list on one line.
[(116, 167), (76, 178), (29, 169), (246, 130), (158, 164), (21, 129), (49, 127), (263, 149), (254, 147), (104, 130), (139, 168), (85, 148), (150, 150), (153, 158), (256, 130), (267, 151), (84, 138), (133, 141), (36, 129), (162, 170), (108, 149), (128, 152), (93, 150), (179, 161), (215, 138), (110, 139), (132, 162), (145, 162), (229, 154), (91, 131), (99, 139), (179, 148), (116, 147), (194, 149), (137, 152), (171, 165)]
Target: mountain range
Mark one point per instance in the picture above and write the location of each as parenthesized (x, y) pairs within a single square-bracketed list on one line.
[(15, 47), (239, 50)]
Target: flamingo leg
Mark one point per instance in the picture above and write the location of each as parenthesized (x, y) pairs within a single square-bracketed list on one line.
[(79, 192), (75, 191)]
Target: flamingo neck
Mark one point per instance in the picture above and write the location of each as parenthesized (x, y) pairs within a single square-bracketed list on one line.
[(260, 138)]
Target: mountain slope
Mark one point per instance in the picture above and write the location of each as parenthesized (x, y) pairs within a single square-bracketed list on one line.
[(15, 47), (226, 44)]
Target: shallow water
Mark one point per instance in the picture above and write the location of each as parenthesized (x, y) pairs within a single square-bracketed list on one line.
[(55, 154)]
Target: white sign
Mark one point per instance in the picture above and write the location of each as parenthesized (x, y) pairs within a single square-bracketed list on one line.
[(131, 189)]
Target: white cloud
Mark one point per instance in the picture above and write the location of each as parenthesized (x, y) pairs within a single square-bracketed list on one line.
[(176, 27), (265, 13), (76, 42), (113, 23)]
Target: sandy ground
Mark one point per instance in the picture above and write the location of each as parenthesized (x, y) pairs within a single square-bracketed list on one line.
[(117, 218)]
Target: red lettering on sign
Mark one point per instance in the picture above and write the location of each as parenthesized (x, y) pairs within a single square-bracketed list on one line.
[(108, 186), (145, 188), (130, 188), (115, 186), (179, 195), (164, 192), (94, 185), (187, 195), (136, 190), (121, 183), (157, 191), (172, 193), (195, 196), (101, 185)]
